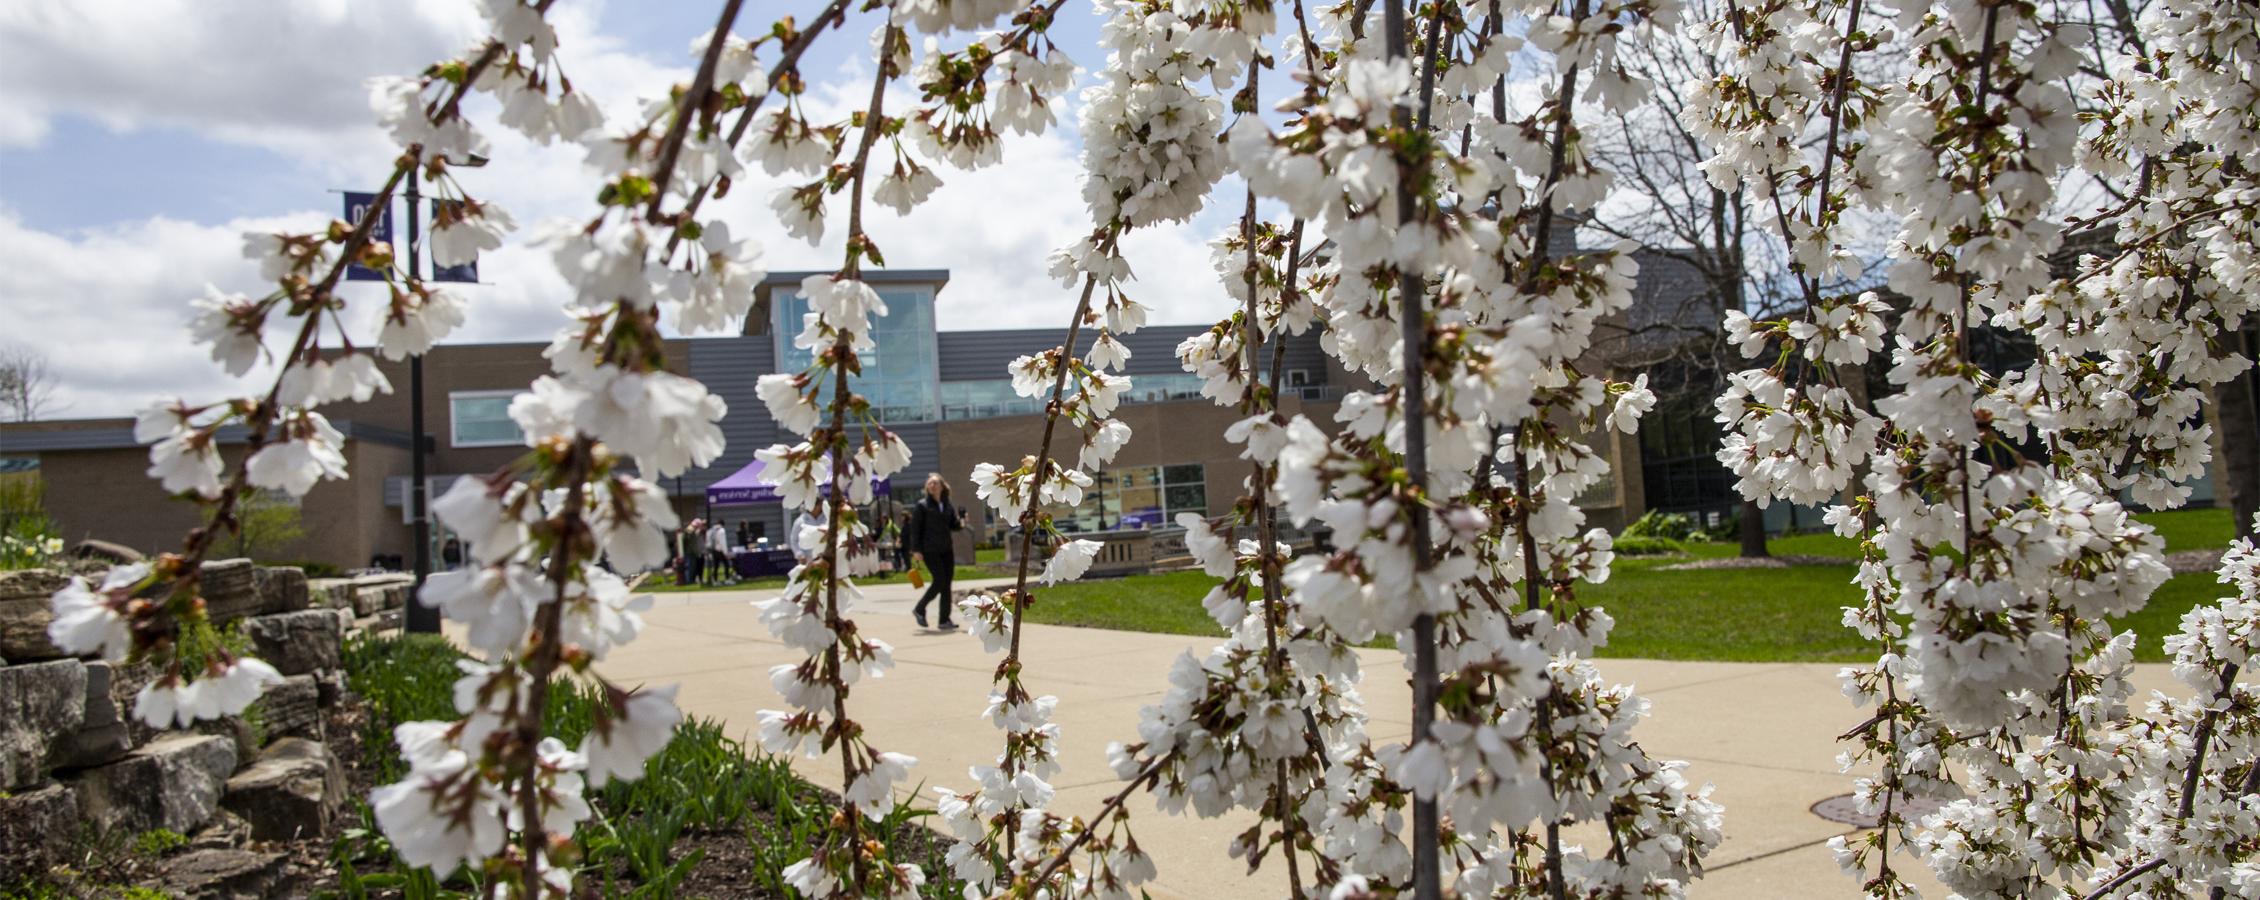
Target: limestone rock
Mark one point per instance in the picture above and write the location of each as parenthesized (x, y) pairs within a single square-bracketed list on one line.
[(102, 735), (330, 593), (295, 790), (40, 704), (283, 589), (37, 827), (224, 831), (231, 590), (108, 552), (239, 730), (224, 875), (126, 682), (369, 595), (25, 610), (296, 643), (292, 707), (172, 783)]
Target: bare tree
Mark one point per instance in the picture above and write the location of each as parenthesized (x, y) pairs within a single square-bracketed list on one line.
[(1707, 252), (27, 383)]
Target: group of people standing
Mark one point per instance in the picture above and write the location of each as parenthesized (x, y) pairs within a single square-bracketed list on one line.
[(702, 552), (925, 532)]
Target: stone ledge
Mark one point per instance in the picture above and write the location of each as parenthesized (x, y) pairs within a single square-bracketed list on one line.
[(174, 782), (41, 704)]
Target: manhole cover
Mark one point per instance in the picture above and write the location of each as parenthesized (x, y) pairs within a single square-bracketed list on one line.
[(1842, 808)]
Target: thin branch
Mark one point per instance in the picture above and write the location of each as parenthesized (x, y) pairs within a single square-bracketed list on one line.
[(1152, 772), (694, 100), (788, 63), (548, 643)]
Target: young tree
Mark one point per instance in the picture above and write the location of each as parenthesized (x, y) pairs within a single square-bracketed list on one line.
[(27, 383), (265, 524)]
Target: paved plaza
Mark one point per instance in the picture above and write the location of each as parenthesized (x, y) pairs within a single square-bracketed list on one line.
[(1762, 733)]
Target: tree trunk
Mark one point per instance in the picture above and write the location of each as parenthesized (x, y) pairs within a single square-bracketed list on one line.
[(2237, 414), (1753, 521)]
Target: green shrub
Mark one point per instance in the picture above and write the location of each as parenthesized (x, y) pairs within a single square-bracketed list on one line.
[(312, 568), (28, 538), (703, 781), (1655, 524), (158, 842), (1643, 545)]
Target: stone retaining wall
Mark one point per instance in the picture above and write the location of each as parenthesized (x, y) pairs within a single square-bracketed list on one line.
[(73, 757)]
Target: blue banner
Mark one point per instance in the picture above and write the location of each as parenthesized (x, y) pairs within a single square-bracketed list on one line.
[(357, 204)]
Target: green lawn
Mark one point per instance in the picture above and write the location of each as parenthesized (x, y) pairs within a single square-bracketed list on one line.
[(1752, 615), (2193, 529)]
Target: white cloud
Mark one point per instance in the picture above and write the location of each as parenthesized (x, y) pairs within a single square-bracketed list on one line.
[(286, 77), (994, 228), (108, 307)]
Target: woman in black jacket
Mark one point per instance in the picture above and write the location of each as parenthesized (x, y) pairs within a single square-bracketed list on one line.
[(929, 539)]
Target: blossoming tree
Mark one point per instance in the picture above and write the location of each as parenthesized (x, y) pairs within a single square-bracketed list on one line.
[(1388, 198)]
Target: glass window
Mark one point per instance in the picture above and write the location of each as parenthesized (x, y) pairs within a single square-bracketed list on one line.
[(901, 371), (482, 419), (988, 398), (1135, 497)]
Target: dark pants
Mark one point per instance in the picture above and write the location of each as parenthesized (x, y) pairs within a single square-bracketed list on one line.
[(942, 566)]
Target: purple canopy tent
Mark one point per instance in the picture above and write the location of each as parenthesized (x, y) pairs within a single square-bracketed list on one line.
[(746, 486)]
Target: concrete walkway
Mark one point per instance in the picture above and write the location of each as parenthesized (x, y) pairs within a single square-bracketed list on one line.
[(1763, 734)]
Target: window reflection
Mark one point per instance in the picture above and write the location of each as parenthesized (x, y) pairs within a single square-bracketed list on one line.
[(900, 373), (1138, 497), (989, 398)]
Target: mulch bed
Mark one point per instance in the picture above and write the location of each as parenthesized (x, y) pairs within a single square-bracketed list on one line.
[(2193, 561)]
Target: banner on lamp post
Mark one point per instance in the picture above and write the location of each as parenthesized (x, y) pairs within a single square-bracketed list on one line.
[(357, 205)]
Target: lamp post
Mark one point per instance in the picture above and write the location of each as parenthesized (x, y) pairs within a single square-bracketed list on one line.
[(420, 617)]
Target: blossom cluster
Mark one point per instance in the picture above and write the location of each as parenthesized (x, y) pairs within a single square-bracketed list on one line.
[(1483, 392), (1988, 498), (1150, 156), (1007, 80)]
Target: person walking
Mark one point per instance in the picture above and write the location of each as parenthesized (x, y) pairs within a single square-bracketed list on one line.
[(718, 553), (932, 523)]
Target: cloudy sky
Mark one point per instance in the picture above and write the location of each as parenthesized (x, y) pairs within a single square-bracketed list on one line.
[(140, 138)]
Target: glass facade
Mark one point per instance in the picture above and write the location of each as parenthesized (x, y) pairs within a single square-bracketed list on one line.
[(990, 398), (901, 373), (482, 419), (1136, 497), (1679, 466)]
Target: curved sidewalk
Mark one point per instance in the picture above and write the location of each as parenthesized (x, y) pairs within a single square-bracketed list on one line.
[(1762, 733)]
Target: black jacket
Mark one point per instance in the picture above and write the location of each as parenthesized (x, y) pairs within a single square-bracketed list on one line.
[(931, 522)]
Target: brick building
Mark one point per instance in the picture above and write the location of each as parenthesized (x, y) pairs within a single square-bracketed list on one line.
[(945, 392)]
